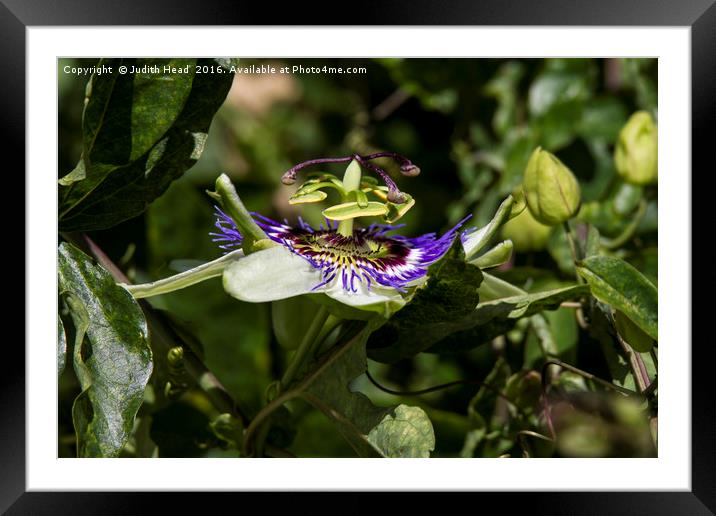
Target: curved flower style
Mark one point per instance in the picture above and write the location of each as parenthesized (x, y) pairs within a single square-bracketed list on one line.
[(354, 262)]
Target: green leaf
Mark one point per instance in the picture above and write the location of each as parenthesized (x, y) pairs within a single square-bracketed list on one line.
[(602, 118), (112, 358), (591, 242), (449, 295), (61, 346), (632, 334), (371, 431), (555, 87), (351, 210), (615, 282), (555, 101), (140, 132), (504, 88), (516, 149), (407, 432), (496, 316)]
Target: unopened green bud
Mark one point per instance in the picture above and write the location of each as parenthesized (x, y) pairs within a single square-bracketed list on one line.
[(635, 156), (526, 233), (551, 190)]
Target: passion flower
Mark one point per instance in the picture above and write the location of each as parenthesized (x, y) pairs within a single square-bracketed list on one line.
[(371, 268), (366, 258)]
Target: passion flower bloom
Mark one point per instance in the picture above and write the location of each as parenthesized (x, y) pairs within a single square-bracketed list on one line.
[(370, 257), (367, 268)]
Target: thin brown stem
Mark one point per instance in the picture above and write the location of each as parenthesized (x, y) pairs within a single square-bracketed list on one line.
[(588, 376), (637, 365)]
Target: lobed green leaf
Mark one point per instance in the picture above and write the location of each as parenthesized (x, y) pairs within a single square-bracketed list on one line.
[(112, 357)]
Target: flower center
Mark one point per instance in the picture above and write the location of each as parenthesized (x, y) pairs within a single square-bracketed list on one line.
[(332, 247), (342, 247)]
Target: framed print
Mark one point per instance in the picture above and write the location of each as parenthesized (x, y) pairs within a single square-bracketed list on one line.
[(432, 244)]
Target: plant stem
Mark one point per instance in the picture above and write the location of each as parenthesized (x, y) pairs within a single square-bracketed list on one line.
[(263, 416), (307, 343), (588, 376), (297, 390), (638, 368)]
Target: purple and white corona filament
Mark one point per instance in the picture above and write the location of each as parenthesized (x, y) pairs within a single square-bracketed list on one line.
[(369, 257)]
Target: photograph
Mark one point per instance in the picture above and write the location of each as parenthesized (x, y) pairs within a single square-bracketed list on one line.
[(377, 257)]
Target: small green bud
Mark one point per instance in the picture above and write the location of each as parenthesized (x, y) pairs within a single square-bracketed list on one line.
[(551, 190), (636, 156), (526, 233)]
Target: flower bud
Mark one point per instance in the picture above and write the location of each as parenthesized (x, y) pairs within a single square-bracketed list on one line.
[(635, 156), (552, 191), (526, 233)]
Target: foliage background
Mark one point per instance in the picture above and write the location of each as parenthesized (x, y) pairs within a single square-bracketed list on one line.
[(470, 125)]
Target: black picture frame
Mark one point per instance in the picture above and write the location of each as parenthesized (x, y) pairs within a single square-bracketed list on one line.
[(700, 15)]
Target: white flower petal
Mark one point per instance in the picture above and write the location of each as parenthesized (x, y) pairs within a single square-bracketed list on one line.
[(382, 300), (268, 275)]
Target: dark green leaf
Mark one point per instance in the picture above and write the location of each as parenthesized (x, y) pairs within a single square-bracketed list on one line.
[(503, 87), (627, 198), (565, 332), (517, 147), (591, 242), (615, 282), (555, 101), (449, 296), (559, 250), (632, 334), (141, 131), (556, 87), (113, 361), (603, 118), (494, 317)]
